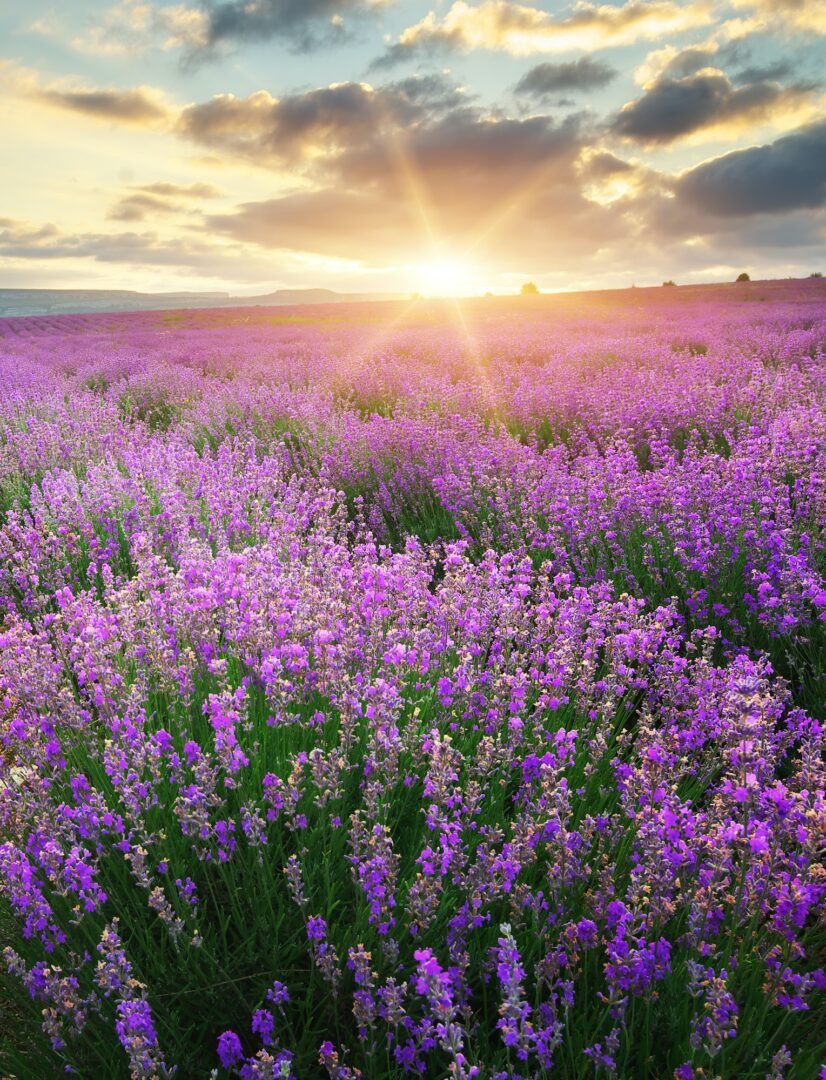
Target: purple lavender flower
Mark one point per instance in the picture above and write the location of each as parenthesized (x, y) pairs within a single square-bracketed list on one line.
[(263, 1025), (316, 928), (230, 1051)]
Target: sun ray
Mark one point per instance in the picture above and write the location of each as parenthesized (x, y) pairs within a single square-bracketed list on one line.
[(416, 189), (522, 198)]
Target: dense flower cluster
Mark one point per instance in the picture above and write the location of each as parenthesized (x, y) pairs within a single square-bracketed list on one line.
[(424, 701)]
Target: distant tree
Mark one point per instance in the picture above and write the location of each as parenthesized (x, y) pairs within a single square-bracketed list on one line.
[(669, 283), (529, 289), (817, 274), (743, 277)]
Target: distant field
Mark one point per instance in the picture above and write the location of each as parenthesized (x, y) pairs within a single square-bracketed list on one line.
[(255, 310), (416, 688)]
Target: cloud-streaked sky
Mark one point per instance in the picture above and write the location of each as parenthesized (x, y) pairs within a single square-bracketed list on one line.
[(372, 145)]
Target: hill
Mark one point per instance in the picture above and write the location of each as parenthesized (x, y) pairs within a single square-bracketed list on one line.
[(80, 301)]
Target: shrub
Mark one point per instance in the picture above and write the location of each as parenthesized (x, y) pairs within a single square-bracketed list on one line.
[(669, 283), (743, 277), (529, 289)]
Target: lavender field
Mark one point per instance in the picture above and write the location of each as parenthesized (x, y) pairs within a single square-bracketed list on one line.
[(416, 690)]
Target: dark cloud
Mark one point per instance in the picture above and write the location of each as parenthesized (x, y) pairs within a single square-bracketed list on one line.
[(430, 45), (547, 80), (695, 58), (494, 185), (692, 233), (789, 174), (472, 150), (463, 168), (671, 108), (395, 165), (600, 164), (287, 129), (436, 93), (782, 69), (800, 229), (303, 24), (139, 106), (319, 124)]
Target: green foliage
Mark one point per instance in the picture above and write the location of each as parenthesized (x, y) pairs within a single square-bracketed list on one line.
[(153, 409)]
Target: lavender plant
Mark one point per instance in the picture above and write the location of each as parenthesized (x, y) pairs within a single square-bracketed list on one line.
[(415, 703)]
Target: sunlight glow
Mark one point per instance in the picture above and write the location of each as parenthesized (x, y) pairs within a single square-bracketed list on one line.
[(444, 277)]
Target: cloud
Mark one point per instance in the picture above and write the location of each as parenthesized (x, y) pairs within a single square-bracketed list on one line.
[(523, 30), (670, 62), (160, 198), (21, 239), (466, 181), (598, 164), (389, 166), (131, 26), (302, 24), (780, 69), (323, 222), (549, 79), (435, 93), (673, 108), (555, 225), (14, 234), (142, 106), (317, 125), (139, 106), (27, 242), (181, 191), (136, 207), (788, 174), (609, 180), (465, 154), (418, 143), (801, 16)]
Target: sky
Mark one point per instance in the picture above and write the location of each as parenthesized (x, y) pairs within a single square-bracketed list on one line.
[(447, 147)]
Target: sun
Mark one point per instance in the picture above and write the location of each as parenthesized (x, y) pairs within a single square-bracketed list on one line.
[(444, 277)]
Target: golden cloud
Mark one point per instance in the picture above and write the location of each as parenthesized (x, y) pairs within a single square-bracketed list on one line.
[(139, 106), (522, 30), (802, 16)]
